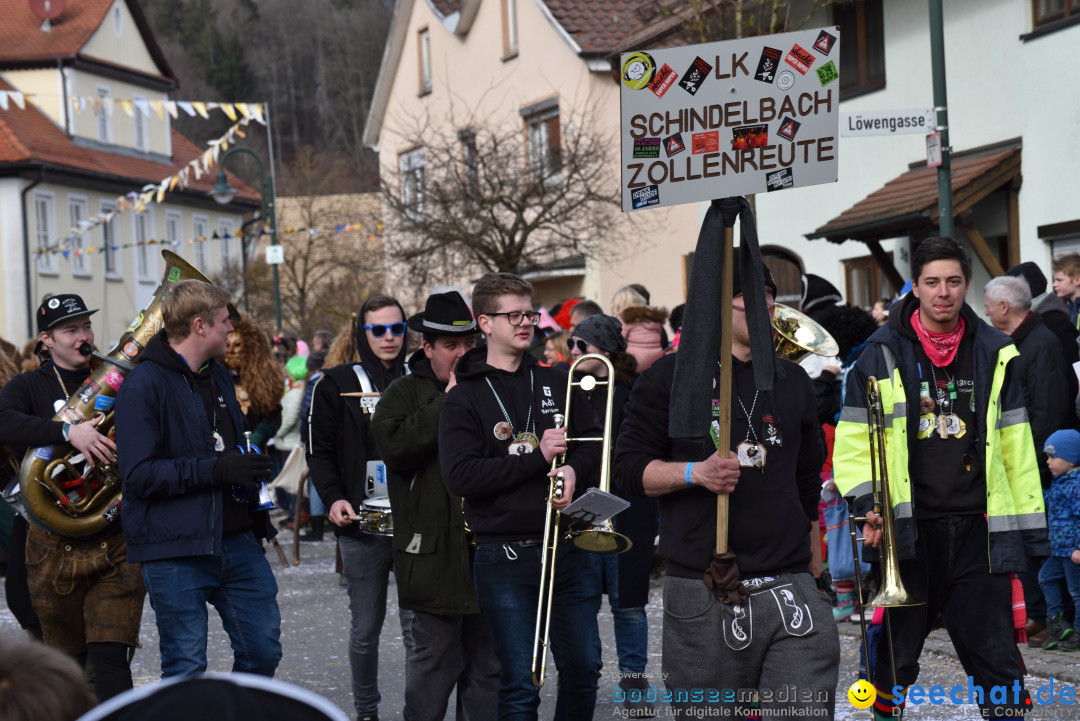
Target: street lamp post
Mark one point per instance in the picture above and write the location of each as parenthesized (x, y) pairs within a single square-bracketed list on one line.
[(223, 193)]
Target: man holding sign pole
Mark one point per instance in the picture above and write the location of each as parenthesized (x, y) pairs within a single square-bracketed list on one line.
[(762, 635)]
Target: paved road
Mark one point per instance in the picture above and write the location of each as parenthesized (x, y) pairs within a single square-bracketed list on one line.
[(315, 627)]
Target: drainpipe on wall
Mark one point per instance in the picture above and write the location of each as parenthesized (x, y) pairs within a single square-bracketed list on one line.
[(26, 251)]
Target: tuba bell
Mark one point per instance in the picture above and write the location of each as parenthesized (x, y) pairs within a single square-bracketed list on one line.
[(62, 491), (797, 335)]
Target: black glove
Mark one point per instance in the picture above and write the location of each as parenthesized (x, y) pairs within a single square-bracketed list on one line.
[(241, 469)]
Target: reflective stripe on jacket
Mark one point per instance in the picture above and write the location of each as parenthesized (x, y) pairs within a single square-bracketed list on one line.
[(1014, 504)]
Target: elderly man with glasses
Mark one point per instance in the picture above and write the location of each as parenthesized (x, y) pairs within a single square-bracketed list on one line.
[(346, 470)]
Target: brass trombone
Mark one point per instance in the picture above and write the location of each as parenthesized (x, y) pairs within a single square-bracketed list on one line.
[(598, 538), (891, 593)]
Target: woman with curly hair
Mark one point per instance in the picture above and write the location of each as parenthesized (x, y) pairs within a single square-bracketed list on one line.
[(259, 384)]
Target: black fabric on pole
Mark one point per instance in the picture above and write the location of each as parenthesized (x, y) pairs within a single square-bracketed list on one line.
[(699, 347)]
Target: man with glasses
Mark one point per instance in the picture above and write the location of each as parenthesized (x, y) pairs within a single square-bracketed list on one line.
[(346, 470), (498, 443)]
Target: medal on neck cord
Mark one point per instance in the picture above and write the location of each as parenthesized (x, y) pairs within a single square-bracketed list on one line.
[(522, 442), (751, 455)]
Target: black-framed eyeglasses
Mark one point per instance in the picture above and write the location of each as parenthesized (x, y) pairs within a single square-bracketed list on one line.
[(581, 345), (379, 330), (516, 317)]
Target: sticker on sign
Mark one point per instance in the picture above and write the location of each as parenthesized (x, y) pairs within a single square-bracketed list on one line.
[(750, 115)]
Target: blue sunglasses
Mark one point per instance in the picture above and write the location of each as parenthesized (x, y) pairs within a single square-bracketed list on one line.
[(380, 330)]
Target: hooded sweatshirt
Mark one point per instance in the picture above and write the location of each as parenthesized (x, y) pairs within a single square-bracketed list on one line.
[(340, 442), (771, 508), (505, 495)]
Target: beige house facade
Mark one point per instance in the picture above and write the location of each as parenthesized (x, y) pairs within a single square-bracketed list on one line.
[(66, 161), (526, 62)]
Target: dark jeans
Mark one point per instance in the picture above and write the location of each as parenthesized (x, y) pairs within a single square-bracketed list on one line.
[(631, 623), (449, 651), (508, 585), (239, 584), (951, 573), (1056, 573), (365, 564)]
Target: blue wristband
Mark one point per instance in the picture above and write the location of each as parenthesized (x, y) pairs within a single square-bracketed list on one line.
[(689, 467)]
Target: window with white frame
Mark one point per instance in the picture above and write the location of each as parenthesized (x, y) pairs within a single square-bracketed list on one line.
[(200, 229), (44, 233), (142, 126), (509, 28), (77, 212), (110, 243), (542, 138), (412, 183), (104, 117), (173, 225), (424, 48), (145, 257), (225, 230)]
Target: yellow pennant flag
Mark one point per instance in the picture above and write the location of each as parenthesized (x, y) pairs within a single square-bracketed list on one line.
[(229, 110), (200, 108), (127, 106), (243, 108), (159, 108), (173, 181)]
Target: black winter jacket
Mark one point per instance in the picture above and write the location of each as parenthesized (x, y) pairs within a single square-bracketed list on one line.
[(165, 446), (505, 495), (771, 511), (1045, 379)]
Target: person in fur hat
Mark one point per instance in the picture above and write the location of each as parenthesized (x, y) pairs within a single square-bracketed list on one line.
[(643, 329), (259, 384)]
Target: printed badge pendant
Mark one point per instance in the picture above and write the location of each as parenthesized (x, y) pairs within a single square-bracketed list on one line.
[(503, 431), (219, 443), (523, 443), (751, 455)]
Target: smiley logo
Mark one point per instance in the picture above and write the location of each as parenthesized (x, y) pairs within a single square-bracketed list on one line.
[(861, 694)]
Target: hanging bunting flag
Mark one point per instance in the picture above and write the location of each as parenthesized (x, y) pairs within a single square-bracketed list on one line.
[(200, 108), (186, 107), (19, 99), (143, 106), (229, 110), (127, 107), (171, 109), (158, 108), (243, 108), (107, 103), (3, 100)]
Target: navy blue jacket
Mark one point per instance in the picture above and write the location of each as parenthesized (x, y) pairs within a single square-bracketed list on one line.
[(171, 507)]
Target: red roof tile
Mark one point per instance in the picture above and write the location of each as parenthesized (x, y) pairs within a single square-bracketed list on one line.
[(22, 42), (29, 136), (599, 27), (911, 198)]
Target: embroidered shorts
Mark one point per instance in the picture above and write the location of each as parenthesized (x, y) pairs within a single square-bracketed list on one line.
[(84, 591)]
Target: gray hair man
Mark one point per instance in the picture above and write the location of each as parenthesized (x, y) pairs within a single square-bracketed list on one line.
[(1046, 380)]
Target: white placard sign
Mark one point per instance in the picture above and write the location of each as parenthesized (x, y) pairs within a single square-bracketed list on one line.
[(887, 122), (728, 118), (275, 254)]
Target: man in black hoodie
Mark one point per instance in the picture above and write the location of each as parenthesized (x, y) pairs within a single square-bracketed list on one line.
[(783, 643), (89, 600), (346, 470), (497, 443), (188, 484)]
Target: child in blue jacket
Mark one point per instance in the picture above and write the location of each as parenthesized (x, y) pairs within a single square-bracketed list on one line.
[(1063, 518)]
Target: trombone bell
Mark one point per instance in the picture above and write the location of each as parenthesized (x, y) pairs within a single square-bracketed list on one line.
[(602, 538)]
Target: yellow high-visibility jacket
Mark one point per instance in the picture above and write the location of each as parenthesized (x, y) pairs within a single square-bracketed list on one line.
[(1014, 500)]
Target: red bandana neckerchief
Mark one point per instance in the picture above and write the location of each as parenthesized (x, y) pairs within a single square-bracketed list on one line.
[(940, 348)]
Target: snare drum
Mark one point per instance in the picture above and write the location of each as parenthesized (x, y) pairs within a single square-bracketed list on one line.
[(375, 516)]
